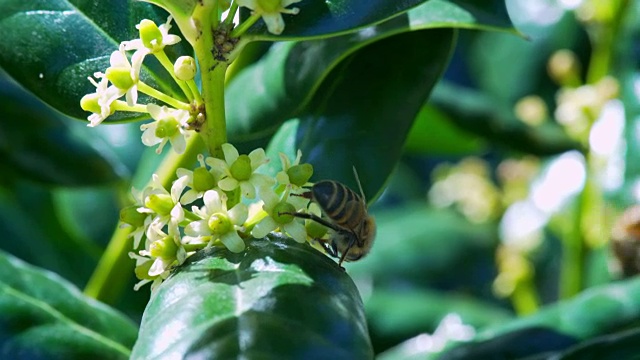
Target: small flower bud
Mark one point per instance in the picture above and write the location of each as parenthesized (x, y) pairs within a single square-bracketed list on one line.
[(241, 168), (315, 230), (300, 174), (161, 204), (185, 68), (131, 216), (150, 34), (165, 248), (564, 68), (219, 224), (120, 78), (531, 110), (203, 180), (281, 213)]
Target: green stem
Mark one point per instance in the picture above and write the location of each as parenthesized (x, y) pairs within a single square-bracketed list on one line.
[(120, 105), (195, 91), (245, 25), (168, 65), (525, 298), (114, 269), (146, 89), (214, 130), (603, 39)]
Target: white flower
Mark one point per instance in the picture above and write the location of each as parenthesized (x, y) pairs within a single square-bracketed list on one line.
[(153, 38), (199, 181), (271, 12), (99, 102), (143, 264), (275, 207), (125, 75), (240, 170), (166, 206), (169, 126), (165, 249), (217, 222)]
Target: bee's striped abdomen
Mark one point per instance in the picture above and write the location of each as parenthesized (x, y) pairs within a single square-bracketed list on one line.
[(339, 203)]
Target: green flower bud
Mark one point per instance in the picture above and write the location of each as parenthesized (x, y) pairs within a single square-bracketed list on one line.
[(167, 128), (165, 248), (149, 32), (120, 78), (300, 174), (203, 180), (241, 168), (89, 103), (279, 209), (131, 216), (142, 270), (315, 230), (185, 68), (161, 204), (219, 224)]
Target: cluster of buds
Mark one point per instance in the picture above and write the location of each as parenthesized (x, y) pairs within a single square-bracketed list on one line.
[(220, 203), (170, 122)]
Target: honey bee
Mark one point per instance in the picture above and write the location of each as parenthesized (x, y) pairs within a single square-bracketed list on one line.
[(345, 212)]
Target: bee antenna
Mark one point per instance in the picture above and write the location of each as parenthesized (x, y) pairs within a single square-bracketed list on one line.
[(355, 173)]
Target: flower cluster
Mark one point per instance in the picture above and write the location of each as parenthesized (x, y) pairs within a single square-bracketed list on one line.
[(122, 78), (220, 203)]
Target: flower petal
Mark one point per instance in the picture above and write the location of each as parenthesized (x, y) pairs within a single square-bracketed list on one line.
[(233, 241), (197, 228), (296, 230), (213, 201), (228, 184), (248, 190), (230, 153), (190, 196), (178, 143), (238, 214), (258, 158), (264, 227)]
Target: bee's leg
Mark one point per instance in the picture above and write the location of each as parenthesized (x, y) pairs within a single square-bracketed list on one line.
[(315, 218), (330, 249), (352, 241)]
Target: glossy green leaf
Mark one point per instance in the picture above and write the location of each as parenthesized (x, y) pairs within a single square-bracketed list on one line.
[(620, 345), (281, 85), (37, 143), (277, 300), (322, 18), (434, 133), (594, 312), (480, 114), (52, 46), (44, 317), (395, 315)]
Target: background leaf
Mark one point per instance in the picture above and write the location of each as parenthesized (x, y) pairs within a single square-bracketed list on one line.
[(44, 317), (278, 299)]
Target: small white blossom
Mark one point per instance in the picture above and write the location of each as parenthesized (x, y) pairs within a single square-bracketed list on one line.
[(124, 75), (99, 103), (165, 249), (164, 205), (217, 222), (169, 126), (271, 12), (199, 181), (153, 38), (274, 205), (142, 262), (240, 170)]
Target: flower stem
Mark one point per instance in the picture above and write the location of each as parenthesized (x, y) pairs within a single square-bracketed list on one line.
[(144, 88), (168, 65), (114, 269), (245, 25), (120, 105)]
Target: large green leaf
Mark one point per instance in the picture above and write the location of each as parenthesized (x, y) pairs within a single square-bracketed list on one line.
[(44, 317), (36, 143), (52, 46), (594, 312), (621, 345), (321, 18), (277, 300)]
